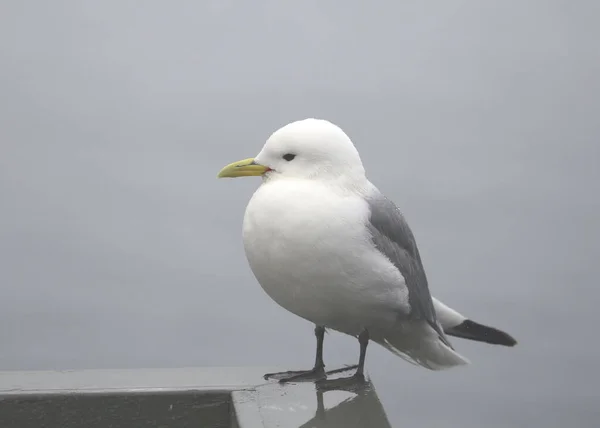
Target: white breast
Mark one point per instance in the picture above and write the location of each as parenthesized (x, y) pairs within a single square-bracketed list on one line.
[(308, 248)]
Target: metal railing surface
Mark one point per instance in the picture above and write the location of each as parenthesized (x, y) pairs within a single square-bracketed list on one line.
[(213, 397)]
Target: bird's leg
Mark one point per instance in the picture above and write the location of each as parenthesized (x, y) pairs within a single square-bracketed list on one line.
[(317, 372), (350, 381)]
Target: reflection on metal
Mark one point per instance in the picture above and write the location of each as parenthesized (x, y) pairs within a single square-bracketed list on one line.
[(173, 398)]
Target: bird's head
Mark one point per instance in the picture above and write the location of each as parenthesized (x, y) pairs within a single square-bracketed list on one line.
[(305, 149)]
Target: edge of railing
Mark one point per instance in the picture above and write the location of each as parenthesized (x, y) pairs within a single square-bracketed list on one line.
[(255, 403)]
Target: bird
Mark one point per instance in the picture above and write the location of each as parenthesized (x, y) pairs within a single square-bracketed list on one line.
[(326, 244)]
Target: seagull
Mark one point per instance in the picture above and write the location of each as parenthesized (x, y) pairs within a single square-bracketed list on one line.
[(325, 244)]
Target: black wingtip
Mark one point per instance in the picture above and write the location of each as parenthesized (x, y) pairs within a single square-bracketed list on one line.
[(474, 331)]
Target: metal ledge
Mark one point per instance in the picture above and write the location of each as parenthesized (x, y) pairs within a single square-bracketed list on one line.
[(172, 398)]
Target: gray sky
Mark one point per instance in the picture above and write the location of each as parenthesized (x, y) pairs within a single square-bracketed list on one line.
[(120, 248)]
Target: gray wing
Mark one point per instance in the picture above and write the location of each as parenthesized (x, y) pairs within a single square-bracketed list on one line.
[(392, 236)]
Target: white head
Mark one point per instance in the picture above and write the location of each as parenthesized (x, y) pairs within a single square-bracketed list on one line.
[(306, 149)]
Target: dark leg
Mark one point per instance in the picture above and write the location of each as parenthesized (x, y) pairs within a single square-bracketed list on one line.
[(363, 340), (357, 378), (317, 372)]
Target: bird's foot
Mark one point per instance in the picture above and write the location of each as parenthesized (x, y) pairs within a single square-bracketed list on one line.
[(350, 383), (342, 369), (315, 373)]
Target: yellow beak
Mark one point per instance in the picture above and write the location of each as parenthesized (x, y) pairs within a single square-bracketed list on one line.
[(243, 168)]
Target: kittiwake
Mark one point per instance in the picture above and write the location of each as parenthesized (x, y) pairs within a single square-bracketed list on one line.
[(328, 246)]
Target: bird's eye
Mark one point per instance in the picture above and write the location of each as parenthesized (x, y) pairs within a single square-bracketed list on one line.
[(289, 156)]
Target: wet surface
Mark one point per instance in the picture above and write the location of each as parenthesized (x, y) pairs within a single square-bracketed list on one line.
[(215, 398), (303, 405)]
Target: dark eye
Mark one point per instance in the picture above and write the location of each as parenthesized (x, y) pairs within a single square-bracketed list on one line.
[(289, 156)]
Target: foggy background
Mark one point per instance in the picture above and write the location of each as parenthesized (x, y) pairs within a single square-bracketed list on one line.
[(119, 248)]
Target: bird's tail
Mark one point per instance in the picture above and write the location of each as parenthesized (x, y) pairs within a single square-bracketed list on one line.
[(419, 344), (482, 333)]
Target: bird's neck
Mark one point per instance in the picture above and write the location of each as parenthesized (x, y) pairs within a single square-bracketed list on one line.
[(343, 184)]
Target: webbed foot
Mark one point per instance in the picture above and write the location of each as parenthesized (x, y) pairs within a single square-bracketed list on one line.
[(315, 373)]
